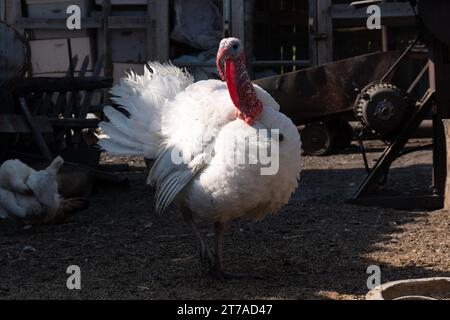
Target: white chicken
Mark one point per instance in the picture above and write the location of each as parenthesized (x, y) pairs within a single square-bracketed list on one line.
[(25, 192), (222, 149)]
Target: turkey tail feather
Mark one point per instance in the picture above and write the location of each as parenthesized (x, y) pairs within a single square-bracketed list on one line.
[(143, 97)]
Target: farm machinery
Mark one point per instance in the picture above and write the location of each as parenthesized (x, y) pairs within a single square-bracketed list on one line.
[(41, 117), (362, 89), (322, 100)]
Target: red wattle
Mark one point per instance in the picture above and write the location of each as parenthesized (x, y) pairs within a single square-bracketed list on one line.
[(241, 90), (230, 76)]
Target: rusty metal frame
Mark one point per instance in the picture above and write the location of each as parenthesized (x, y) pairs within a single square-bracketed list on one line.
[(392, 152), (437, 98)]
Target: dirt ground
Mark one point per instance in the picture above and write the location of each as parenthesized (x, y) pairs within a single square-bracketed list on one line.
[(317, 247)]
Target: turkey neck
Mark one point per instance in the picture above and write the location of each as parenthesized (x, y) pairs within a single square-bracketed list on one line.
[(241, 90)]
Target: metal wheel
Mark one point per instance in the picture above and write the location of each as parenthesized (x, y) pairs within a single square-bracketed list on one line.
[(317, 139), (383, 108)]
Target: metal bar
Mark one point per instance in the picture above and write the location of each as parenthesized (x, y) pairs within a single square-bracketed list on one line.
[(396, 63), (98, 66), (83, 67), (74, 123), (69, 51), (130, 22), (446, 125), (312, 30), (106, 38), (364, 3), (51, 84), (417, 79), (384, 39), (389, 10), (35, 129), (14, 123), (226, 18), (262, 63)]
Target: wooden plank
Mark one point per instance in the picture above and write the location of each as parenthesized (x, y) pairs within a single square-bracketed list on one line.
[(55, 8), (51, 84), (74, 123), (13, 54), (2, 10), (131, 22), (388, 10), (312, 26), (238, 19), (226, 18), (242, 15), (51, 55), (13, 10), (324, 34), (158, 32), (121, 69), (446, 124), (55, 23), (268, 63), (249, 13), (150, 33), (106, 37), (439, 75), (61, 100), (163, 30), (13, 123), (384, 38), (299, 18), (124, 2)]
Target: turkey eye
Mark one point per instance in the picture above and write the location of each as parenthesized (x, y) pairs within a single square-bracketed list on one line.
[(235, 47)]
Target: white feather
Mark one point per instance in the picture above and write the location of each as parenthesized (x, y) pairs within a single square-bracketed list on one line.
[(196, 122), (41, 193), (143, 97)]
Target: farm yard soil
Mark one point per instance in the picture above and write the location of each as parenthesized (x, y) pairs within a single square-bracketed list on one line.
[(317, 247)]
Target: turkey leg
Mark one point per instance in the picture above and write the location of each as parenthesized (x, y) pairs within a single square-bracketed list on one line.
[(217, 270), (206, 257)]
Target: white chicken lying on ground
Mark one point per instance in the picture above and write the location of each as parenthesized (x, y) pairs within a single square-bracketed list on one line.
[(210, 141), (27, 193)]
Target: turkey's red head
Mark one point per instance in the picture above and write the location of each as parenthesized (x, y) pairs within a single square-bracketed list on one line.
[(231, 57)]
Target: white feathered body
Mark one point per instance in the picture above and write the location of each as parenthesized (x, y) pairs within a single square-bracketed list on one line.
[(26, 192), (170, 115)]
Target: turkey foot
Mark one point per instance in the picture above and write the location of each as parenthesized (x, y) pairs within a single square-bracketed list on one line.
[(217, 269)]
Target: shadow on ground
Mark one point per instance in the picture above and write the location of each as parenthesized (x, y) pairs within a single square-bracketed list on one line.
[(317, 247)]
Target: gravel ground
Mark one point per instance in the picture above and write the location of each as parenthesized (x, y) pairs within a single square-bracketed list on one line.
[(317, 247)]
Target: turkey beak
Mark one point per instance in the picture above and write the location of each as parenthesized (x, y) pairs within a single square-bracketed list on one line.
[(221, 56)]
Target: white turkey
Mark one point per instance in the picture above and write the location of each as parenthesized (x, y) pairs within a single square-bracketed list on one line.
[(221, 149), (32, 195), (27, 192)]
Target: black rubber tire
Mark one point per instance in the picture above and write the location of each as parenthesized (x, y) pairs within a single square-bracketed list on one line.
[(317, 139)]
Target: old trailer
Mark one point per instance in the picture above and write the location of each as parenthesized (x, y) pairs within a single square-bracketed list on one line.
[(321, 99)]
